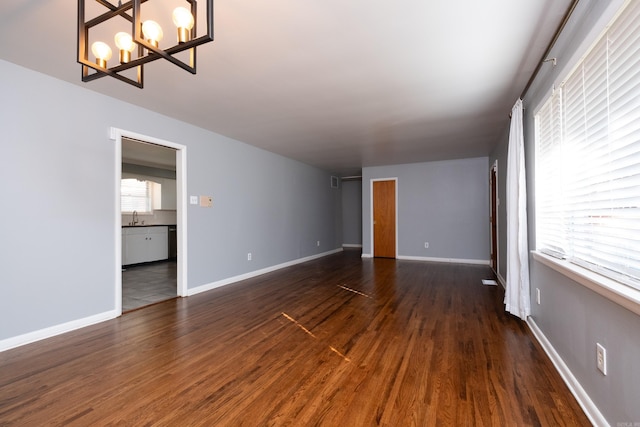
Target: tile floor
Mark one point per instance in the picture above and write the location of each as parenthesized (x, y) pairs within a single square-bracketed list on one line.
[(148, 283)]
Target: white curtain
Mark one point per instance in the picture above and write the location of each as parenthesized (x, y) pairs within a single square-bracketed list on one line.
[(517, 298)]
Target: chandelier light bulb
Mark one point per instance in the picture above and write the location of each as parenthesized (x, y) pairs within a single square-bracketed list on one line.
[(124, 41), (183, 19), (126, 45), (152, 32), (102, 52)]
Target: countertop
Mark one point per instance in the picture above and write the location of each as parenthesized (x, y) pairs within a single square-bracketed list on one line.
[(148, 225)]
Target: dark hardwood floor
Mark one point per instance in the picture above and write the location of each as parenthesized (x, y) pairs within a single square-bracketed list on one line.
[(339, 341)]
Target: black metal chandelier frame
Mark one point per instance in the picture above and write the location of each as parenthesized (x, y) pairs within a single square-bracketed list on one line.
[(131, 12)]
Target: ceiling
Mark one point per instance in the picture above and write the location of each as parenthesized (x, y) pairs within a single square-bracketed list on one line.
[(141, 153), (336, 84)]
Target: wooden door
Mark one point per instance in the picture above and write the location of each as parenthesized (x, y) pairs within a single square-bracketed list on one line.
[(384, 219), (494, 220)]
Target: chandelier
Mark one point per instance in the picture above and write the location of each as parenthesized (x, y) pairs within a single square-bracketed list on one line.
[(143, 37)]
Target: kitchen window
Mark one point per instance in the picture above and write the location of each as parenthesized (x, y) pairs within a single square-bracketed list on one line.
[(140, 195)]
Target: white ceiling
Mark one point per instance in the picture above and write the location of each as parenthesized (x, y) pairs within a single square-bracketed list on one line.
[(339, 84)]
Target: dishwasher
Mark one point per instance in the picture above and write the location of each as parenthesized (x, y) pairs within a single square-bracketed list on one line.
[(173, 242)]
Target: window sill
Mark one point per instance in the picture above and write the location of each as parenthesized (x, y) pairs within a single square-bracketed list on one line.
[(623, 295)]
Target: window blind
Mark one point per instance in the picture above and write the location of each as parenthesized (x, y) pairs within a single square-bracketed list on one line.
[(589, 211), (135, 195), (550, 222)]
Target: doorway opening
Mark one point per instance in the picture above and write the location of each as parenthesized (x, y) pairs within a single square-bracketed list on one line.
[(384, 218), (150, 220), (493, 216)]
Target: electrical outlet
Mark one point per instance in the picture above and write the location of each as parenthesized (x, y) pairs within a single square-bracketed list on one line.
[(538, 295), (426, 245), (601, 356), (249, 256)]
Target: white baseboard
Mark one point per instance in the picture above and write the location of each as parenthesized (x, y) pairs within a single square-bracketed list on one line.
[(351, 245), (251, 274), (430, 259), (448, 260), (52, 331), (590, 409)]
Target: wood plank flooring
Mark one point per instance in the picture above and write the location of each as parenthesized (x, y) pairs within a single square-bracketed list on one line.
[(338, 341)]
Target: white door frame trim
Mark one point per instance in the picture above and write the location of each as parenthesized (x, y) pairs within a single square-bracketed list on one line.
[(371, 181), (116, 135)]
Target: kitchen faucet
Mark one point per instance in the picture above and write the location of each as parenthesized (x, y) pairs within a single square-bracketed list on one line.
[(135, 218)]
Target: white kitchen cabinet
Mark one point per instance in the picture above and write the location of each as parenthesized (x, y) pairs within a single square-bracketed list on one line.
[(144, 244), (158, 243), (136, 245)]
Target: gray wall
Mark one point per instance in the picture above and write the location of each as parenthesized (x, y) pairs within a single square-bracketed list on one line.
[(572, 317), (57, 183), (352, 212), (445, 203)]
